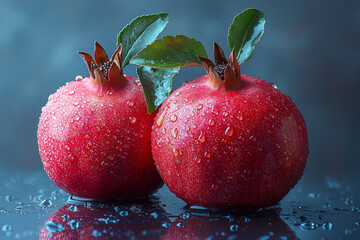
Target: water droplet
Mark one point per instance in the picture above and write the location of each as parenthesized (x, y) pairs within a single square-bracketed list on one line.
[(327, 226), (45, 203), (199, 107), (313, 195), (198, 160), (225, 114), (96, 233), (215, 187), (174, 133), (211, 122), (180, 224), (74, 225), (132, 119), (308, 225), (9, 198), (78, 78), (161, 118), (166, 225), (154, 214), (77, 118), (273, 85), (229, 131), (130, 103), (240, 117), (124, 213), (6, 228), (177, 162), (136, 208), (185, 215), (207, 155), (202, 137), (173, 118), (54, 227), (252, 138), (71, 92), (72, 208), (177, 93), (176, 152), (234, 228), (76, 103)]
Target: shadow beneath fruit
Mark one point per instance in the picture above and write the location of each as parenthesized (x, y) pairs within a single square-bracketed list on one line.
[(143, 219), (198, 223)]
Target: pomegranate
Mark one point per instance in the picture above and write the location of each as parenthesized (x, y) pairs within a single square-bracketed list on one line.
[(94, 134), (226, 140)]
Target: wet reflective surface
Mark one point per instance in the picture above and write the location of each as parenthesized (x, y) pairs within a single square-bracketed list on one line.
[(32, 207)]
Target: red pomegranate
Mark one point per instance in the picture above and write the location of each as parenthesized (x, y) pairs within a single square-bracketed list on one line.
[(94, 134), (226, 140)]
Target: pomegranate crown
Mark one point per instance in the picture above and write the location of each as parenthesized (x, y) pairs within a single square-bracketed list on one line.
[(104, 71), (222, 73)]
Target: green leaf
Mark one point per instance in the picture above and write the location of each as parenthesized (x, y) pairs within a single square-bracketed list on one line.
[(140, 32), (244, 32), (171, 52), (156, 84)]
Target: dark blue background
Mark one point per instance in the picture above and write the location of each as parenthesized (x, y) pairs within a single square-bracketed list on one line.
[(310, 50)]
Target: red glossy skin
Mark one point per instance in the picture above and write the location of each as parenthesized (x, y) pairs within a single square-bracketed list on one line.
[(242, 149), (96, 143)]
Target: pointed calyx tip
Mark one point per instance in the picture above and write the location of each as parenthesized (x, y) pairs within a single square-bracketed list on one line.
[(223, 73), (105, 71)]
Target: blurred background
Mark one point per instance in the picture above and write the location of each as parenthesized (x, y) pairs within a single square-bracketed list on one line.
[(310, 50)]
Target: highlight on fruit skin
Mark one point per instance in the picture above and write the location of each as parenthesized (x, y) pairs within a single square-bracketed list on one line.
[(90, 131)]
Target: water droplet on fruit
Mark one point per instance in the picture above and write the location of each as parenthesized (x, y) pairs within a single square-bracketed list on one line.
[(74, 225), (78, 78), (177, 162), (202, 137), (176, 152), (132, 119), (71, 92), (163, 130), (174, 133), (54, 227), (207, 155), (273, 85), (215, 187), (199, 107), (240, 117), (198, 160), (177, 93), (211, 122), (229, 131), (161, 118), (173, 118), (130, 103), (77, 118), (252, 138)]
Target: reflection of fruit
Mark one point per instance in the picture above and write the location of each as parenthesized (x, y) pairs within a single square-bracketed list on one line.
[(94, 134), (139, 221), (266, 226), (226, 140)]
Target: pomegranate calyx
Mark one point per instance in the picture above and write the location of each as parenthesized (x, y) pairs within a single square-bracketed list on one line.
[(223, 73), (105, 72)]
